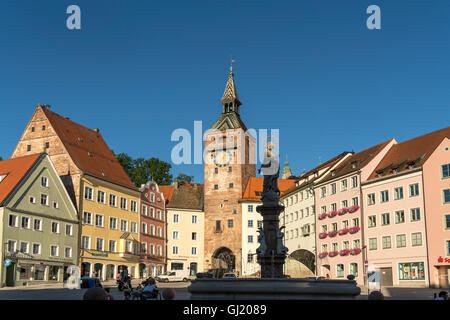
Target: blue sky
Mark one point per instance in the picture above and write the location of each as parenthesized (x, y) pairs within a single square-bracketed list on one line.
[(140, 69)]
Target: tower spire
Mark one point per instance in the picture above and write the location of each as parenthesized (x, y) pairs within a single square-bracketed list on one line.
[(230, 99)]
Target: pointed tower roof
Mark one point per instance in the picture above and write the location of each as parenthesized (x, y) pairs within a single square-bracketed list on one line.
[(230, 94), (286, 173)]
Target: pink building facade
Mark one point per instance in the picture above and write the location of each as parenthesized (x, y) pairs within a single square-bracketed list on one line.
[(436, 174), (394, 234)]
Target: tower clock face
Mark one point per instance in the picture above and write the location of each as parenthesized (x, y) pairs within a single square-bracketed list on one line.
[(223, 158)]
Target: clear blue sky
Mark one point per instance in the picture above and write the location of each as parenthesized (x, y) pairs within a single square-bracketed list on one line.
[(140, 69)]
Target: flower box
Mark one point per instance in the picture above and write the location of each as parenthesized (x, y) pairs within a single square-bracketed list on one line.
[(353, 209), (353, 230), (323, 235), (322, 216), (332, 233), (323, 255), (354, 252), (343, 211), (333, 253), (332, 214), (344, 252), (343, 231)]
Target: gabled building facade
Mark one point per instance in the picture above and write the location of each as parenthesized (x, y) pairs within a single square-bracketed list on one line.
[(39, 223)]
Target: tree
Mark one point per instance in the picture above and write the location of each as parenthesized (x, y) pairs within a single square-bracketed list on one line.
[(183, 178)]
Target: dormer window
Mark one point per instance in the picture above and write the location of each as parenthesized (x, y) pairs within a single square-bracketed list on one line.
[(355, 164)]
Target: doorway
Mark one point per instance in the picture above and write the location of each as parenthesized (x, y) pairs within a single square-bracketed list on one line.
[(386, 277)]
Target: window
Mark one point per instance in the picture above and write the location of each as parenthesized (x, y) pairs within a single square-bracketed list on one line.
[(88, 193), (24, 247), (345, 224), (344, 185), (398, 193), (249, 257), (85, 242), (44, 182), (194, 251), (448, 247), (372, 221), (231, 185), (159, 232), (354, 181), (99, 220), (385, 219), (344, 204), (323, 192), (175, 235), (55, 205), (216, 187), (216, 170), (218, 226), (55, 227), (54, 251), (386, 242), (13, 220), (32, 200), (44, 199), (25, 223), (230, 223), (123, 203), (176, 218), (384, 196), (144, 210), (99, 244), (334, 247), (355, 222), (333, 188), (113, 200), (12, 245), (43, 128), (411, 271), (159, 251), (446, 170), (446, 195), (37, 225), (68, 252), (371, 199), (36, 248), (250, 223), (355, 201), (334, 226), (324, 248), (415, 214), (250, 208), (447, 221), (323, 209), (87, 217), (123, 225), (260, 224), (354, 269), (113, 223), (174, 250), (152, 212), (194, 236), (152, 197), (413, 190), (372, 243), (133, 227), (159, 215), (416, 239), (69, 230), (324, 228), (144, 228), (399, 216), (333, 206), (339, 270), (133, 206), (112, 246), (47, 145), (29, 147), (356, 244), (346, 245), (250, 239), (101, 197), (401, 240)]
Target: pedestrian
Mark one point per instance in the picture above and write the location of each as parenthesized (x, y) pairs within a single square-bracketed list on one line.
[(443, 295), (108, 292), (376, 295), (95, 293)]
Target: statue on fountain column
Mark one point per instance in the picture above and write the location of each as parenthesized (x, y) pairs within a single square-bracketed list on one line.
[(270, 169), (281, 249), (262, 240)]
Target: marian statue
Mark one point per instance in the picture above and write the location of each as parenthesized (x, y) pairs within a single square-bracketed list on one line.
[(270, 169)]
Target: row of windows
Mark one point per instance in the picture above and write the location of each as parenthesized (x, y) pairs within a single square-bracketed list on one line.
[(99, 222), (101, 198), (25, 223), (344, 225), (176, 218), (176, 235), (398, 194), (400, 240), (343, 186), (295, 216), (305, 231), (176, 250), (345, 245), (344, 204), (353, 270), (250, 223), (35, 248), (44, 200), (153, 230), (230, 186), (144, 249), (130, 246), (145, 212), (304, 195), (399, 216)]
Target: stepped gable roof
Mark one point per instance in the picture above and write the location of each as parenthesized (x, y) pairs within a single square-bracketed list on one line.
[(187, 196), (254, 187), (88, 150), (12, 171), (409, 154), (356, 161)]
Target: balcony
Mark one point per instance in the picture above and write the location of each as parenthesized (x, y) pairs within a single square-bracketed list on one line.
[(128, 255)]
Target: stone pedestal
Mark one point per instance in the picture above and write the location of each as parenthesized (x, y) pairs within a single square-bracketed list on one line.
[(272, 260)]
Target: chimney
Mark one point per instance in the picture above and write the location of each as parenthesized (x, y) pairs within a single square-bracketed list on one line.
[(97, 130)]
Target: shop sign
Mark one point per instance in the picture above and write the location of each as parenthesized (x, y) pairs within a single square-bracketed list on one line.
[(7, 263), (99, 254), (442, 260)]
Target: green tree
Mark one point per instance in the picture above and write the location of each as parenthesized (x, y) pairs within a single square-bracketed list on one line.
[(184, 178)]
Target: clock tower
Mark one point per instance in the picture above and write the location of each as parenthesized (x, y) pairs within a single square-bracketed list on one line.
[(229, 163)]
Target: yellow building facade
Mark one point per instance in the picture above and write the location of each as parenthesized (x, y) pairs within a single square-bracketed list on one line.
[(109, 229)]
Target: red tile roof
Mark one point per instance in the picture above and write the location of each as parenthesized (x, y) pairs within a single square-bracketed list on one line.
[(411, 152), (14, 169), (88, 150), (361, 159), (167, 192), (255, 184)]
